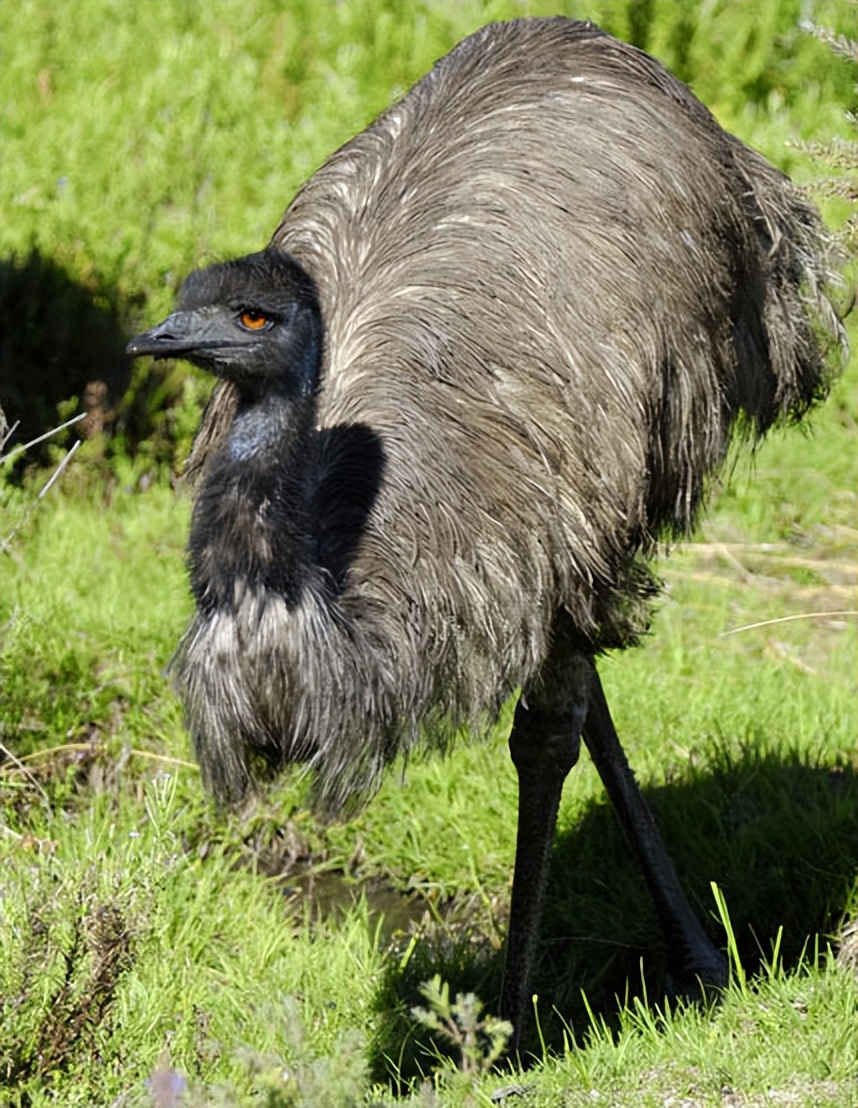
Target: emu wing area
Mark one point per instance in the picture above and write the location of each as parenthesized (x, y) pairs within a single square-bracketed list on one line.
[(546, 276)]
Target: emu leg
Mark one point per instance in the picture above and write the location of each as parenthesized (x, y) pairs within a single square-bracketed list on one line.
[(544, 746), (692, 955)]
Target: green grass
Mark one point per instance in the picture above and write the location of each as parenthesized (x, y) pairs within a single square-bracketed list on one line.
[(140, 140), (265, 957), (745, 749)]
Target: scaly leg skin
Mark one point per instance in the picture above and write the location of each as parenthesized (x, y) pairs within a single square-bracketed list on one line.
[(694, 960)]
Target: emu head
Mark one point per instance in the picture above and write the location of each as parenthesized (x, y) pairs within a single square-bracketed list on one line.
[(254, 321)]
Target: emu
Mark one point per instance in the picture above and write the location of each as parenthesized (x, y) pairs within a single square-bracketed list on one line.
[(494, 352)]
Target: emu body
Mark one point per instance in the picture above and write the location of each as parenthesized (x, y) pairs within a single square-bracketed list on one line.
[(495, 349)]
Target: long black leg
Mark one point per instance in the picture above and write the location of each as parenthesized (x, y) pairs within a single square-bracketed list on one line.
[(692, 954), (568, 702), (544, 743), (544, 747)]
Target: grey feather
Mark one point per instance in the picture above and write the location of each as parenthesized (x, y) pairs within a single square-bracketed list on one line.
[(551, 289)]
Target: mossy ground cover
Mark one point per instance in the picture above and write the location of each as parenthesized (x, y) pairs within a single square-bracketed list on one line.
[(155, 951)]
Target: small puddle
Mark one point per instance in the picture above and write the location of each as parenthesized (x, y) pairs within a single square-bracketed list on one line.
[(328, 895), (317, 894)]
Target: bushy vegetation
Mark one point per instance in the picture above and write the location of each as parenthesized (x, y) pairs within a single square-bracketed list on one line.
[(153, 951)]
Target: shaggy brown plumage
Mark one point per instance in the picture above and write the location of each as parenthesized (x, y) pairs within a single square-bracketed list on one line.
[(550, 285), (511, 328)]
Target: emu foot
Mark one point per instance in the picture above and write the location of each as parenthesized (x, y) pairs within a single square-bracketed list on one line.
[(698, 975)]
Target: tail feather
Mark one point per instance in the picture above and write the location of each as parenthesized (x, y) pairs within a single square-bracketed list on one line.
[(803, 334)]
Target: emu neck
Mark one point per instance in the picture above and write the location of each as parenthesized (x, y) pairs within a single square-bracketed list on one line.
[(267, 428), (250, 529)]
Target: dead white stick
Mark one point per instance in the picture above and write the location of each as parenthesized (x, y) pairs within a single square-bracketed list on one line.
[(17, 450)]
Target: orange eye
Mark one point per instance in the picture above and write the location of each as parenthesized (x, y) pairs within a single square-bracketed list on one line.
[(253, 320)]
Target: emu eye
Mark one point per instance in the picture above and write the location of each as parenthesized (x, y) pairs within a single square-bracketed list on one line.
[(253, 320)]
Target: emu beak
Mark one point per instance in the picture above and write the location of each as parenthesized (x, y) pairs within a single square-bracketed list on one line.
[(176, 337)]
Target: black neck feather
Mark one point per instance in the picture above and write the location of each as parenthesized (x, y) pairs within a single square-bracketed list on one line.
[(250, 526)]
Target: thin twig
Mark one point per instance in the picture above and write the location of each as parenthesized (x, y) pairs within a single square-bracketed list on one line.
[(25, 446), (776, 554), (82, 748), (165, 758), (9, 431), (6, 543), (783, 585), (722, 549), (20, 765), (784, 619), (58, 471)]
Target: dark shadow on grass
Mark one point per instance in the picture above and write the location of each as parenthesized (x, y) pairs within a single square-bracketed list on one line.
[(779, 836), (59, 340), (62, 347)]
